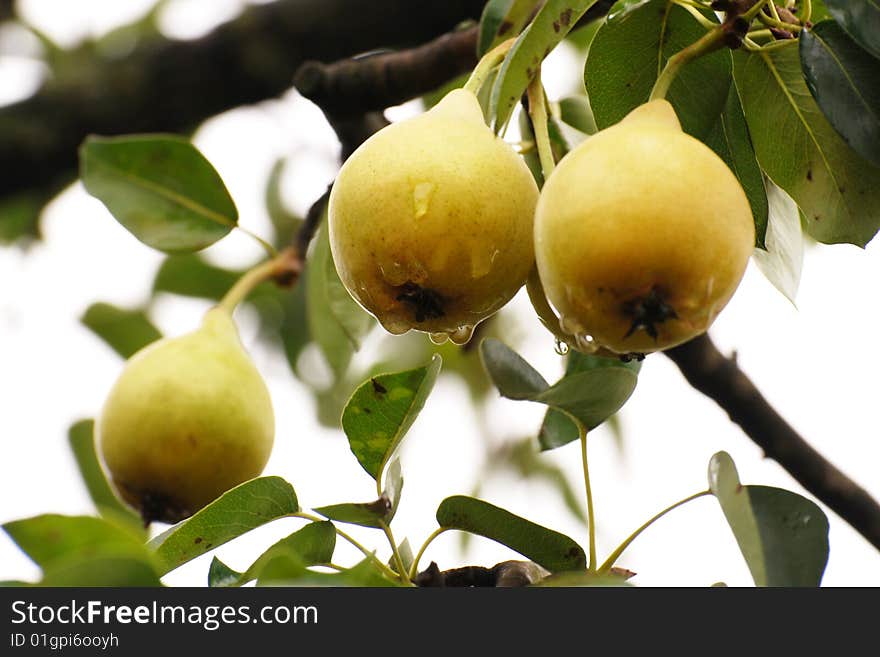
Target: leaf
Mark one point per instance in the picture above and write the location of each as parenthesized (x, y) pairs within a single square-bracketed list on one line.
[(310, 546), (334, 339), (284, 222), (845, 82), (630, 50), (371, 514), (554, 20), (576, 112), (783, 536), (236, 512), (730, 139), (284, 571), (354, 321), (221, 575), (861, 19), (84, 551), (382, 410), (160, 188), (558, 429), (552, 550), (20, 217), (82, 443), (190, 276), (365, 514), (124, 331), (510, 373), (592, 394), (783, 260), (501, 20), (797, 148)]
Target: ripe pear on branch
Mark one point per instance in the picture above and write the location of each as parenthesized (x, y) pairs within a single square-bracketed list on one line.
[(642, 235), (431, 221), (189, 417)]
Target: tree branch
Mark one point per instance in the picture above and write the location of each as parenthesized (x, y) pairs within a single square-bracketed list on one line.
[(719, 378), (167, 85), (355, 86)]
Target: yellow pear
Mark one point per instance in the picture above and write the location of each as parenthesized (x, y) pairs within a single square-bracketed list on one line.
[(431, 221), (188, 419), (642, 235)]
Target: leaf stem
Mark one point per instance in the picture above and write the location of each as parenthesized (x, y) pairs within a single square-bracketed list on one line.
[(270, 250), (609, 562), (402, 573), (538, 115), (591, 517), (709, 42), (415, 565), (484, 67), (281, 263)]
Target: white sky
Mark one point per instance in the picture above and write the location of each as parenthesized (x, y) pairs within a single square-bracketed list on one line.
[(816, 364)]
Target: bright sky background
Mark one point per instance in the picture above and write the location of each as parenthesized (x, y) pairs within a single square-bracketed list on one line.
[(816, 364)]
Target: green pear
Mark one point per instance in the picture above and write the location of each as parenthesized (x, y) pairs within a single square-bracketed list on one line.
[(431, 221), (188, 419)]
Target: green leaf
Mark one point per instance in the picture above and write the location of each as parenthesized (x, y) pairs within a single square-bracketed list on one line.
[(730, 139), (509, 371), (284, 571), (554, 20), (783, 536), (552, 550), (124, 331), (861, 19), (221, 575), (322, 283), (837, 190), (84, 551), (190, 276), (576, 112), (365, 514), (160, 188), (20, 217), (630, 50), (82, 443), (382, 410), (783, 260), (501, 20), (592, 394), (310, 546), (845, 81), (371, 514), (354, 321), (284, 222), (558, 429), (236, 512), (103, 570)]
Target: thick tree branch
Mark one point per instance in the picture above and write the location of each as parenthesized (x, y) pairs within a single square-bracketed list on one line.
[(166, 85), (719, 377), (355, 86)]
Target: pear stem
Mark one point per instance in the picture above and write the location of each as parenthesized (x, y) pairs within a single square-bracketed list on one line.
[(709, 42), (484, 67), (285, 262), (538, 114)]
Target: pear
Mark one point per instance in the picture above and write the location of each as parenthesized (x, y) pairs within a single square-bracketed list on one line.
[(431, 219), (642, 235), (189, 418)]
